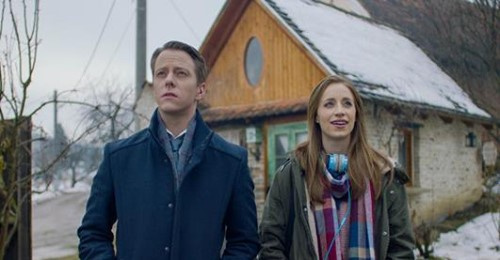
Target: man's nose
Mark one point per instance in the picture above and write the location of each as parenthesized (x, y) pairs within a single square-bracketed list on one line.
[(169, 79)]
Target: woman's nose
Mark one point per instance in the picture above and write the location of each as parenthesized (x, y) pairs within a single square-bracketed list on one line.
[(338, 110)]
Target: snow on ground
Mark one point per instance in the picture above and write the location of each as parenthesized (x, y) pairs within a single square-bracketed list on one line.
[(50, 194), (56, 217), (54, 225), (478, 239)]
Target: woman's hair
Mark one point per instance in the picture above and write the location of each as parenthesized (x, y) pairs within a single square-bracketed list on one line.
[(364, 161)]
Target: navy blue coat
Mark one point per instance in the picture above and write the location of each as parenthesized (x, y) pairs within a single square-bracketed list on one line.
[(135, 187)]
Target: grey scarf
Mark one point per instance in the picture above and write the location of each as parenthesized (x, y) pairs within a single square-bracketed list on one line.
[(178, 150)]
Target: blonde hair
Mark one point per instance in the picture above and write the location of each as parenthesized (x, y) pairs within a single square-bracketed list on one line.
[(365, 163)]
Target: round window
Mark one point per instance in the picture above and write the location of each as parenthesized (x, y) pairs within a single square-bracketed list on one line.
[(253, 61)]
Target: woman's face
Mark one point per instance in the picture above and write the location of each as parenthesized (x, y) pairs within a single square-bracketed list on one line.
[(336, 113)]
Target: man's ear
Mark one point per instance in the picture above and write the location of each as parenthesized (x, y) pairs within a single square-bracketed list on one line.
[(202, 90)]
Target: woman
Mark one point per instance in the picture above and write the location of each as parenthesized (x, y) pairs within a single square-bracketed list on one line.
[(336, 197)]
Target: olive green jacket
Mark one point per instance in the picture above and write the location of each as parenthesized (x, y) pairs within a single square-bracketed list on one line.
[(393, 231)]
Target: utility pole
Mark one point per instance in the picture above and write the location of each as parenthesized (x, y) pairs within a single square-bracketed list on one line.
[(55, 146), (55, 114), (140, 53)]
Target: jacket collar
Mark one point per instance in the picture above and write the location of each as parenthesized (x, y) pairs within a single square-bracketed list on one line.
[(386, 168)]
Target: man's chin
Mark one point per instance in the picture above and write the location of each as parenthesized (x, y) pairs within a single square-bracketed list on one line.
[(174, 110), (168, 110)]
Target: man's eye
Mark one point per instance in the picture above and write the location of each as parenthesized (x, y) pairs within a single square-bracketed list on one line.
[(160, 73), (182, 73)]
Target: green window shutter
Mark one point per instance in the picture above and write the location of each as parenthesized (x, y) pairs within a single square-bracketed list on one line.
[(282, 140)]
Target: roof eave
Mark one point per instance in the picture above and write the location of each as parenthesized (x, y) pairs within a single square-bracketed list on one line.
[(299, 106), (221, 29), (429, 108)]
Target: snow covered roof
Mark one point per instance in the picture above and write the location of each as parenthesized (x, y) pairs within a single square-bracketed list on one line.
[(382, 62)]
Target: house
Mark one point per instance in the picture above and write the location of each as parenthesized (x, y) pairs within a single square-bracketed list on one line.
[(267, 55)]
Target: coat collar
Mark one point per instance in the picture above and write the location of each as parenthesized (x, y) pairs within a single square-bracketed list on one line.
[(386, 168), (201, 136)]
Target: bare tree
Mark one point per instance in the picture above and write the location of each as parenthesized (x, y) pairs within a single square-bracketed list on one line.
[(19, 22), (19, 40), (106, 115), (109, 118), (111, 113), (461, 35), (465, 37), (470, 31), (82, 159)]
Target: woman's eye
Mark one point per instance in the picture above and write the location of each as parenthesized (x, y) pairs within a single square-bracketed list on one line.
[(348, 103), (329, 104)]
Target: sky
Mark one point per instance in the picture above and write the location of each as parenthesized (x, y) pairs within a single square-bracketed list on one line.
[(69, 31)]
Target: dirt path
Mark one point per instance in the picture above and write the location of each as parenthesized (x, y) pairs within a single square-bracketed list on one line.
[(54, 225)]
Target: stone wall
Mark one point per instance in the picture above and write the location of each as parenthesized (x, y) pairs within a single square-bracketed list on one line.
[(451, 174), (447, 174), (236, 135)]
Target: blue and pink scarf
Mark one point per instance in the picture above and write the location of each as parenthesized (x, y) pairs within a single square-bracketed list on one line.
[(355, 238)]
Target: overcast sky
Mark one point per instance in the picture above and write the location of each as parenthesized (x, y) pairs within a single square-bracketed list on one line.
[(69, 30)]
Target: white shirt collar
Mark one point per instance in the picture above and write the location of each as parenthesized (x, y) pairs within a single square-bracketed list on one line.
[(174, 136)]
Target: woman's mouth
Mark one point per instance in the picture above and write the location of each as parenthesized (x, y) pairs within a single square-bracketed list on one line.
[(339, 122)]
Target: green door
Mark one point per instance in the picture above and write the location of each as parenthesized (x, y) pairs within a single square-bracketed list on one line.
[(282, 139)]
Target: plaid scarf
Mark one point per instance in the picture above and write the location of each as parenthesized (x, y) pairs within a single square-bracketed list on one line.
[(355, 238)]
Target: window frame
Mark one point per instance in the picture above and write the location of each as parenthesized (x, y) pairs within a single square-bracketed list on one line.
[(253, 50), (290, 129)]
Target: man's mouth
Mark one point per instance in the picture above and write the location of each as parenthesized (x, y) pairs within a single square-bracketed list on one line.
[(169, 95)]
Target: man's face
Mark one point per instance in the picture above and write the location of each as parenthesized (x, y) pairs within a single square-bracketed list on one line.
[(175, 85)]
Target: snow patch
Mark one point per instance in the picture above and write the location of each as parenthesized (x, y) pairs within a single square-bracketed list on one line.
[(477, 239)]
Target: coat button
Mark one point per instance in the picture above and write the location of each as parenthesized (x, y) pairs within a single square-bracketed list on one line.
[(391, 191), (167, 249), (305, 209), (384, 233), (170, 205)]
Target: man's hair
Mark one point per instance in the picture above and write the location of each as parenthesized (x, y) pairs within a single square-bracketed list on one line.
[(199, 62)]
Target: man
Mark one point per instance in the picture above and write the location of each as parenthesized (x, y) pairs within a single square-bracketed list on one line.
[(175, 189)]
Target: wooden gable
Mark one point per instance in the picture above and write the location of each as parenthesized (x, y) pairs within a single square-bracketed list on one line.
[(288, 70)]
